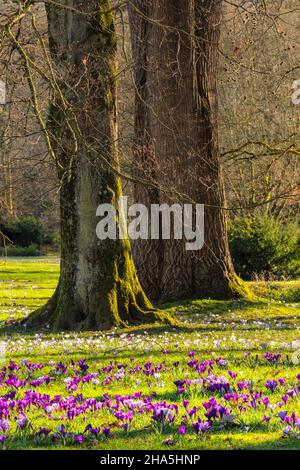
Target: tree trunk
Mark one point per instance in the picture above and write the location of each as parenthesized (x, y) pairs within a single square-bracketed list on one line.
[(98, 285), (175, 52)]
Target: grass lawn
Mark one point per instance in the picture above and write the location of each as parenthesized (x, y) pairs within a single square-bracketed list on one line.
[(226, 380)]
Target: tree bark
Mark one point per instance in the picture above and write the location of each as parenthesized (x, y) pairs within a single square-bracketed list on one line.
[(175, 52), (98, 285)]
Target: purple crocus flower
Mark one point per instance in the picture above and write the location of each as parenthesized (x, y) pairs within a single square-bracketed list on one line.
[(13, 366), (221, 362), (266, 419), (61, 429), (182, 430), (294, 418), (192, 412), (282, 415), (106, 432), (94, 431), (265, 401), (201, 427), (79, 439), (217, 384), (232, 374), (243, 385), (287, 430), (271, 385), (179, 383), (169, 442), (272, 358), (82, 365), (285, 398), (22, 421), (210, 404), (60, 368), (43, 432), (4, 425), (292, 392)]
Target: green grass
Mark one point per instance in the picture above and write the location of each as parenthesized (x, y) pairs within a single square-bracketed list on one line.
[(213, 329), (25, 284)]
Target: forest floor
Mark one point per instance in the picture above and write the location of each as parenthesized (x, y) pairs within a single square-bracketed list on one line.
[(228, 379)]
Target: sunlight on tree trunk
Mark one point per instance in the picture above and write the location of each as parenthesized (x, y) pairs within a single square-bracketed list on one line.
[(98, 286), (175, 52)]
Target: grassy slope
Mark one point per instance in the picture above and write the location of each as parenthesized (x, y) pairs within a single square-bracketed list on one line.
[(214, 329)]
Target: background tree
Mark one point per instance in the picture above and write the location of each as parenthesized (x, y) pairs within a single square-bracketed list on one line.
[(175, 51)]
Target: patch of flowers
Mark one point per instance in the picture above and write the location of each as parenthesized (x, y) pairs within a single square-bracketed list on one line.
[(79, 403)]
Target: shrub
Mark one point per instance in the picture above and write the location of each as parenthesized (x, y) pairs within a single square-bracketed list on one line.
[(12, 250), (25, 232), (264, 245)]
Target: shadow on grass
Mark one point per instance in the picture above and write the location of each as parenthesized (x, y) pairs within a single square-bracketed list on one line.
[(151, 331), (148, 435), (187, 309)]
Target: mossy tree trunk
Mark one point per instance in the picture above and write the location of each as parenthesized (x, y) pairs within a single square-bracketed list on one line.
[(98, 285), (175, 52)]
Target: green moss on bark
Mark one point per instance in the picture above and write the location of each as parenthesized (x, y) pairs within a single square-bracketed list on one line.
[(98, 286), (240, 289)]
